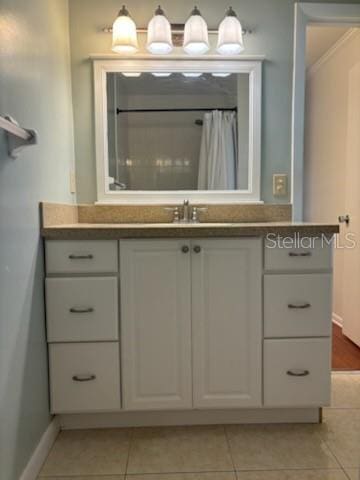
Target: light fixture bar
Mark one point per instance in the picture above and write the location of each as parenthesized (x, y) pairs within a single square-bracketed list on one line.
[(178, 29)]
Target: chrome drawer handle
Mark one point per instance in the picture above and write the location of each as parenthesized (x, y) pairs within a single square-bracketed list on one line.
[(81, 310), (303, 254), (299, 306), (83, 378), (81, 257), (298, 373)]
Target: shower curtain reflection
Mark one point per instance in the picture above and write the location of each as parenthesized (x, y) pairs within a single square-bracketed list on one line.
[(219, 152)]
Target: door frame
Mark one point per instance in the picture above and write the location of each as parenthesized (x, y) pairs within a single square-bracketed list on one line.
[(306, 14)]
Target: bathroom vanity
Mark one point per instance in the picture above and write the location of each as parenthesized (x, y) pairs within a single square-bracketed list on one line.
[(210, 322)]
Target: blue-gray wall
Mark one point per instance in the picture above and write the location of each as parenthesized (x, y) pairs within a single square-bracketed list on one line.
[(35, 89)]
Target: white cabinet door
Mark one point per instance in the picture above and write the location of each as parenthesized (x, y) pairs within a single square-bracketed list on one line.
[(227, 322), (155, 324)]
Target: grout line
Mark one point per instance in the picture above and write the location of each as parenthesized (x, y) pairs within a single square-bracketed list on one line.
[(229, 448), (132, 432), (336, 458)]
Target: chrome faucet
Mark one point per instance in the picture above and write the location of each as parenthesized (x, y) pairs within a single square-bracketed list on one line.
[(189, 214)]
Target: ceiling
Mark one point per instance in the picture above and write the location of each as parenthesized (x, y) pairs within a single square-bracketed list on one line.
[(319, 39)]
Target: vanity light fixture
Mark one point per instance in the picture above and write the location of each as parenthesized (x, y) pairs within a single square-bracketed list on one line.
[(159, 41), (230, 38), (161, 74), (131, 74), (124, 33), (196, 39), (220, 74)]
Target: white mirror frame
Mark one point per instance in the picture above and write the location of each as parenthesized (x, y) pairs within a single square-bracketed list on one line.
[(252, 66)]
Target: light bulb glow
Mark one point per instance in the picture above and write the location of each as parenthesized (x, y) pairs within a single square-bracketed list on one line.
[(220, 74), (159, 40), (124, 34), (131, 74), (161, 74), (196, 39), (230, 38), (192, 74)]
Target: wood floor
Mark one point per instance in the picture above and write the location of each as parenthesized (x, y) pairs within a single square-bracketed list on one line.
[(345, 354)]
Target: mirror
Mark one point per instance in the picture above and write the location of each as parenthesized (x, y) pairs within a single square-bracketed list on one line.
[(173, 129), (177, 132)]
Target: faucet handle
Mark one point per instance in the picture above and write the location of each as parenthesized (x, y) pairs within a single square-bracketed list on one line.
[(195, 211), (176, 212)]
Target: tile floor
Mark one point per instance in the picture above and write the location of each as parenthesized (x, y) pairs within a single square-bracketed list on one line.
[(330, 451)]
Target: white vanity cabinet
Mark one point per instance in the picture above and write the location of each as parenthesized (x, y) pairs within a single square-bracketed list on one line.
[(191, 323), (210, 324)]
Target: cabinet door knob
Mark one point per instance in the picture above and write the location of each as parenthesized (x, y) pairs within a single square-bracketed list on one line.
[(298, 373), (83, 378), (185, 249), (197, 249)]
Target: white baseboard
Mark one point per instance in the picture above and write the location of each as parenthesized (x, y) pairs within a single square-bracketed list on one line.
[(188, 417), (38, 458), (337, 319)]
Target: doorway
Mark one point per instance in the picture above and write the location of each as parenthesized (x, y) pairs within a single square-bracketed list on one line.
[(331, 186)]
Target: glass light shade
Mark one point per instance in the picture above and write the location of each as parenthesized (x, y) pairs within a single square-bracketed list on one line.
[(131, 74), (196, 40), (161, 74), (159, 40), (220, 74), (192, 74), (124, 34), (230, 38)]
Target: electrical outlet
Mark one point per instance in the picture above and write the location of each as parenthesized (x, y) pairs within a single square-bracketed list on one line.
[(280, 188), (72, 181)]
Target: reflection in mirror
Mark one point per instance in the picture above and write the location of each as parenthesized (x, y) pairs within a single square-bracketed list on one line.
[(171, 132)]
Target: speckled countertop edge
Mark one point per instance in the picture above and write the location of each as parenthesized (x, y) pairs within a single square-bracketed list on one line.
[(117, 231)]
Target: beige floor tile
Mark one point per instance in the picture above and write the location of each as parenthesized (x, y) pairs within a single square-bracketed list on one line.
[(88, 452), (293, 475), (341, 432), (271, 447), (353, 473), (184, 476), (179, 449), (345, 390)]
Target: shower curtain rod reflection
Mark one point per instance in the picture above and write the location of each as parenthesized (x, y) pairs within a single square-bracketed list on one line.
[(156, 110)]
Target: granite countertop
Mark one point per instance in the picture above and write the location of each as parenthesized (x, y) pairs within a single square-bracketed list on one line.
[(86, 231)]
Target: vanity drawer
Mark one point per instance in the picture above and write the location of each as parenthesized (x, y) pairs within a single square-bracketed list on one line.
[(297, 305), (82, 309), (297, 372), (85, 256), (285, 255), (84, 377)]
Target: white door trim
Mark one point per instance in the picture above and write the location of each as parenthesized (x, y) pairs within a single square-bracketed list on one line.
[(42, 450), (305, 14)]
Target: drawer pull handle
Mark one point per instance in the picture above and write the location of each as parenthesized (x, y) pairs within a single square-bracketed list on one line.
[(298, 373), (81, 310), (303, 254), (81, 257), (299, 306), (83, 378)]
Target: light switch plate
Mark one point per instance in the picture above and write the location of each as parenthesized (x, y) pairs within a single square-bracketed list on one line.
[(280, 185)]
